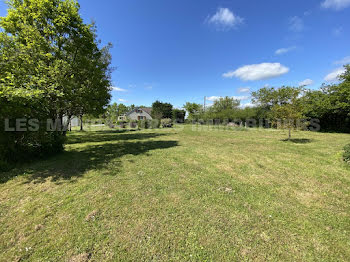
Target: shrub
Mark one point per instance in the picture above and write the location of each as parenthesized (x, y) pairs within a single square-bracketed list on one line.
[(155, 123), (166, 122), (26, 146), (144, 124), (346, 154), (122, 124)]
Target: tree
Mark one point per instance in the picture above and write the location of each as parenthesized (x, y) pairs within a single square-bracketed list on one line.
[(193, 110), (330, 104), (223, 109), (162, 110), (132, 107), (341, 93), (51, 66), (112, 112), (284, 104), (179, 115), (224, 104), (122, 109)]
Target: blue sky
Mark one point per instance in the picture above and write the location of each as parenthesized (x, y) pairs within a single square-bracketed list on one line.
[(178, 51)]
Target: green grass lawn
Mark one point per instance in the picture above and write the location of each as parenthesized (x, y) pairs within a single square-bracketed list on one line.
[(173, 194)]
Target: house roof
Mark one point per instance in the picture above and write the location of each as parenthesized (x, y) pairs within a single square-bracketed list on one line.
[(148, 110)]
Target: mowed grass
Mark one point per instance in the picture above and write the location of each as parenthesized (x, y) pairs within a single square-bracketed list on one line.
[(181, 195)]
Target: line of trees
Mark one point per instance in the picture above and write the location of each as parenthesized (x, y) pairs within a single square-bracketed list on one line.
[(330, 105), (162, 110), (51, 67)]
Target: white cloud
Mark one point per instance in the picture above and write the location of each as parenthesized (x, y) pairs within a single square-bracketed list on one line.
[(266, 85), (306, 82), (244, 90), (118, 89), (344, 61), (249, 104), (214, 98), (240, 97), (335, 4), (258, 71), (282, 51), (225, 18), (334, 75), (296, 24), (121, 100)]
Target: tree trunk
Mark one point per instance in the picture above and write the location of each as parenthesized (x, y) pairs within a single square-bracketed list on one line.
[(81, 123), (290, 134)]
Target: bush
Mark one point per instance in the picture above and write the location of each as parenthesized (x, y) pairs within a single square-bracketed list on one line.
[(122, 124), (144, 124), (166, 122), (155, 123), (346, 154), (26, 146)]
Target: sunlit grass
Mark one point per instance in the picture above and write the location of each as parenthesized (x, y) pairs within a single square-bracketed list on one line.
[(179, 194)]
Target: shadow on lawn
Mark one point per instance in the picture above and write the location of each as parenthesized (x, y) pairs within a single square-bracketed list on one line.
[(299, 140), (73, 164), (104, 136)]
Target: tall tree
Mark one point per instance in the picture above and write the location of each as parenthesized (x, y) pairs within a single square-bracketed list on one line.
[(122, 109), (284, 103), (162, 110), (225, 103), (179, 115), (51, 65), (193, 110)]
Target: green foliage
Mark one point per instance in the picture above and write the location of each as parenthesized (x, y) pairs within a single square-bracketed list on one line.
[(346, 154), (227, 110), (122, 109), (284, 104), (51, 66), (331, 104), (155, 123), (162, 110), (111, 113), (122, 124), (144, 124), (225, 104), (193, 110), (179, 115), (166, 122)]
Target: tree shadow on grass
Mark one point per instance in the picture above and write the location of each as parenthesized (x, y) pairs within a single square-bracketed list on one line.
[(104, 136), (71, 165), (299, 140)]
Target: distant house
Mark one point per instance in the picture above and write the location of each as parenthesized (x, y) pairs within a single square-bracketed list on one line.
[(122, 118), (140, 113)]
